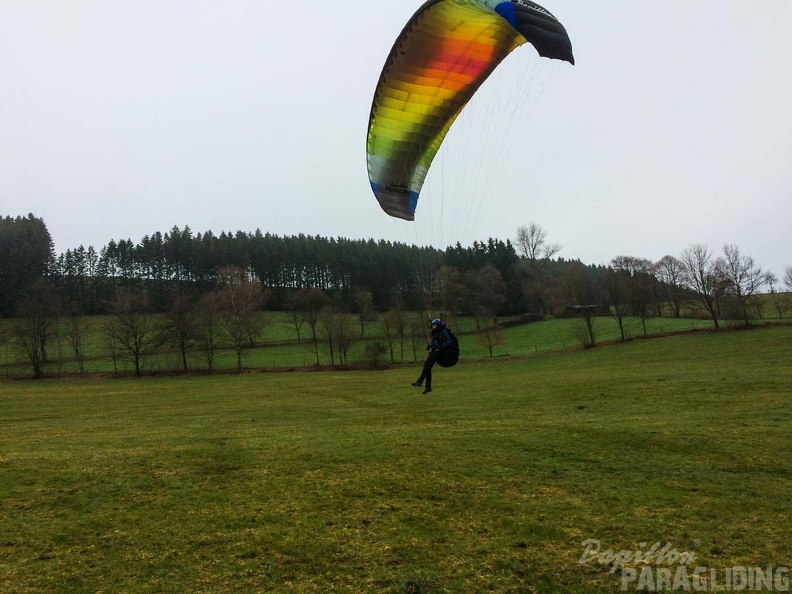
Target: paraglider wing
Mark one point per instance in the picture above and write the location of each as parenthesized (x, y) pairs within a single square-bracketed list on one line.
[(440, 59)]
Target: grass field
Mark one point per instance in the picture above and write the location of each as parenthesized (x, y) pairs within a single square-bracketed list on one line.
[(354, 482)]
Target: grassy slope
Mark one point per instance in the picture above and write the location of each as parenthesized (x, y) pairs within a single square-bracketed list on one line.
[(311, 481)]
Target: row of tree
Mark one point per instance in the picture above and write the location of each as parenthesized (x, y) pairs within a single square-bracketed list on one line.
[(193, 265), (729, 286), (500, 276), (315, 277), (193, 333)]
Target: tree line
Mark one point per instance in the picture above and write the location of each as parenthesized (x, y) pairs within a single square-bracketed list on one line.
[(193, 264), (213, 289)]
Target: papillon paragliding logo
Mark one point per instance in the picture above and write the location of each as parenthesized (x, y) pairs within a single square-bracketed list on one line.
[(663, 568)]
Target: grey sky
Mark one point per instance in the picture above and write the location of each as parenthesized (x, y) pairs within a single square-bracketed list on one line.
[(118, 119)]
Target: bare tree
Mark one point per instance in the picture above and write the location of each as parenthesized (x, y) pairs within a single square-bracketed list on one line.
[(77, 330), (447, 283), (236, 333), (337, 331), (781, 301), (110, 342), (29, 333), (305, 306), (788, 277), (396, 326), (488, 330), (615, 286), (743, 279), (390, 335), (670, 273), (658, 290), (581, 295), (209, 335), (36, 324), (257, 323), (179, 328), (327, 328), (418, 334), (346, 337), (296, 315), (240, 301), (640, 277), (132, 330), (364, 304), (531, 243), (702, 274)]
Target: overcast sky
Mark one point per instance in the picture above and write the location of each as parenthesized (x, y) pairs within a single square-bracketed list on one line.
[(122, 118)]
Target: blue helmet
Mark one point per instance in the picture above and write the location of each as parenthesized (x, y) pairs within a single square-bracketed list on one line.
[(437, 322)]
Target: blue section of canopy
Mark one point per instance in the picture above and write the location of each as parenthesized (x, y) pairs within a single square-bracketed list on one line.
[(508, 12)]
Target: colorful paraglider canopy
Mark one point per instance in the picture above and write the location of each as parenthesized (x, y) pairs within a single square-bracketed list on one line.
[(440, 59)]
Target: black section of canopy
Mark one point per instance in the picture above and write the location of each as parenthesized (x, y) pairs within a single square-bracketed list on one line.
[(543, 31)]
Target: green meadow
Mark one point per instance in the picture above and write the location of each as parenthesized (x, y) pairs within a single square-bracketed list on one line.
[(354, 482)]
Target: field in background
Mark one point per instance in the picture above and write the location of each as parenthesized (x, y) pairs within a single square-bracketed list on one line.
[(277, 346), (353, 481)]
